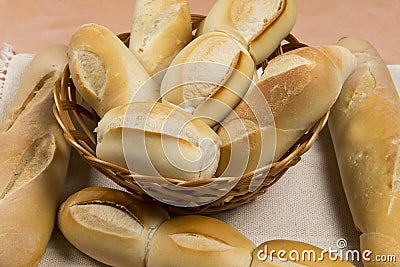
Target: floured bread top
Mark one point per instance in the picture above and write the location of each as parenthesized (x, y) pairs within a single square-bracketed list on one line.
[(107, 218), (151, 20), (283, 64), (235, 129), (33, 162), (251, 16), (220, 55), (199, 242), (93, 71), (153, 117)]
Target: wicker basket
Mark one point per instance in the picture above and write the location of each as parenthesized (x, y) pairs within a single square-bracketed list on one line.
[(78, 121)]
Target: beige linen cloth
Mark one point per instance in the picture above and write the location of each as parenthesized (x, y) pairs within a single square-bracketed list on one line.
[(308, 203)]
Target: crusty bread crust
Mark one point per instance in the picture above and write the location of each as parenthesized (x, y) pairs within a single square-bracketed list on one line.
[(259, 25), (158, 139), (105, 72), (298, 88), (160, 29), (365, 129), (33, 163)]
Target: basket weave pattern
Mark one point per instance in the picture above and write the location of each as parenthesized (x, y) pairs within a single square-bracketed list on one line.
[(78, 122)]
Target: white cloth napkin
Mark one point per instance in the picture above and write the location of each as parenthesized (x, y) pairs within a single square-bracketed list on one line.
[(308, 203)]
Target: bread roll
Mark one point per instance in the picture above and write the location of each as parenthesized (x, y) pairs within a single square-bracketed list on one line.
[(259, 24), (159, 140), (105, 72), (160, 29), (294, 253), (110, 226), (119, 229), (365, 129), (198, 241), (209, 77), (33, 163), (299, 87)]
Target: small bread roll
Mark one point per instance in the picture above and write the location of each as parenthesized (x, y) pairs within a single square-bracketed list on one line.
[(294, 253), (209, 77), (365, 129), (199, 241), (259, 24), (110, 226), (105, 72), (297, 88), (118, 229), (157, 139), (160, 29)]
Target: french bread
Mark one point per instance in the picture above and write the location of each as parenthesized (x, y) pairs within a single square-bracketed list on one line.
[(158, 139), (119, 229), (365, 129), (208, 77), (199, 241), (33, 163), (259, 25), (105, 72), (109, 225), (299, 87), (160, 29)]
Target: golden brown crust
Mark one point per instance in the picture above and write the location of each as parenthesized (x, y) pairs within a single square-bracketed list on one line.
[(160, 29), (109, 225), (209, 77), (105, 72), (33, 163), (167, 141), (365, 130), (294, 92), (259, 25), (199, 241)]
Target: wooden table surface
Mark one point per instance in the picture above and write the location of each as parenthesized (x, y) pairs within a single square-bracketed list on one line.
[(32, 25)]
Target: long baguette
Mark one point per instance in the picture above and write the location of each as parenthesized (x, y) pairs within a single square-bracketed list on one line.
[(33, 163), (365, 128)]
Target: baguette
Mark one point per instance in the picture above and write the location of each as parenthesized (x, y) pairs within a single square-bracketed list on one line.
[(160, 29), (33, 163), (259, 25), (365, 129), (105, 72), (298, 88), (119, 229), (208, 77), (43, 65), (157, 139)]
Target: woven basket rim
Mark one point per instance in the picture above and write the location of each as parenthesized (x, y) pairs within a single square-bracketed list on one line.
[(73, 119)]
